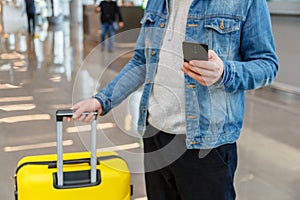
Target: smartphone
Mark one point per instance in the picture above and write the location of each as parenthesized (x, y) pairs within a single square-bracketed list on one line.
[(194, 51)]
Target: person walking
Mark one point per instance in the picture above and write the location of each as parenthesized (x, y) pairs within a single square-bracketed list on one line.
[(30, 8), (191, 113), (109, 11)]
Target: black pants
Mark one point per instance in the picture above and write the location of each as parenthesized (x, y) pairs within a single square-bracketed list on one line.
[(31, 22), (174, 173)]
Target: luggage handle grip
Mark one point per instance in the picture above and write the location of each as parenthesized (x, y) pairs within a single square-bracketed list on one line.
[(72, 162), (60, 114)]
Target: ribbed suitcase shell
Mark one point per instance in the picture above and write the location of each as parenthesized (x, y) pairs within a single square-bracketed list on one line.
[(35, 180)]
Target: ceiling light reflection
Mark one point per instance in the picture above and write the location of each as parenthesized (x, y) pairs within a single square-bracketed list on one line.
[(88, 127), (20, 69), (11, 99), (36, 146), (21, 63), (9, 86), (18, 107), (45, 90), (24, 118), (121, 147), (56, 79), (10, 56)]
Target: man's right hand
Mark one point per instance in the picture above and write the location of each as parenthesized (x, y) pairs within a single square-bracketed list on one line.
[(89, 105)]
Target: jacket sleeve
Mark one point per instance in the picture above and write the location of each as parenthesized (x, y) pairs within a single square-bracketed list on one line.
[(259, 64)]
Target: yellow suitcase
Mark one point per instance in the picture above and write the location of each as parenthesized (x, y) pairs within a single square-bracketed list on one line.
[(73, 176)]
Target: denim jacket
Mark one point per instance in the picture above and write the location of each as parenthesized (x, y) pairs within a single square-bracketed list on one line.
[(239, 31)]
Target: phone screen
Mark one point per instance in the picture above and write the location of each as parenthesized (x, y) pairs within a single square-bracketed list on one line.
[(194, 51)]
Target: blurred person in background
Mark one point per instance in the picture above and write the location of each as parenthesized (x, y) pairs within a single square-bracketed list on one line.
[(109, 11), (30, 9)]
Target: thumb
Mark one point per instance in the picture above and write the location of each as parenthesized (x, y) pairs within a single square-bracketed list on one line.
[(212, 55)]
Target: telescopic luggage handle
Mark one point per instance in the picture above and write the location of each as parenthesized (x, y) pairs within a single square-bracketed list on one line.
[(60, 114)]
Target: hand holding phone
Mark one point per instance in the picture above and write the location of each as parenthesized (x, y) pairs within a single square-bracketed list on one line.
[(194, 51), (199, 67)]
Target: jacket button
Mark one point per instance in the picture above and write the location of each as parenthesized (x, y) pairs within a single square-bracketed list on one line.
[(162, 25), (191, 86), (194, 142), (192, 117), (192, 25), (222, 25), (153, 52)]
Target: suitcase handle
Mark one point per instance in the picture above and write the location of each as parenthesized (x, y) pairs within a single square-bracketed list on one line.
[(76, 179), (60, 114)]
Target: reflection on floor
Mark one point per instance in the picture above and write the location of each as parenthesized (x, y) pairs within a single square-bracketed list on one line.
[(58, 67)]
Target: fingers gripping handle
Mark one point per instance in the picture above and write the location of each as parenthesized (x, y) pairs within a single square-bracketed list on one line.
[(60, 114)]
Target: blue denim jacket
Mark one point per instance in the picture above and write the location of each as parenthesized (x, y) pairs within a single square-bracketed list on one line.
[(239, 31)]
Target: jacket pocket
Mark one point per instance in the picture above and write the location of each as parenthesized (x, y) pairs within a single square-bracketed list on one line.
[(223, 35), (153, 26)]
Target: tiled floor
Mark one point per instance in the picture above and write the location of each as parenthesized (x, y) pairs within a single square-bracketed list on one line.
[(59, 66)]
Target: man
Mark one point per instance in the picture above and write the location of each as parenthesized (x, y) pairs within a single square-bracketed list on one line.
[(30, 11), (108, 11), (191, 113)]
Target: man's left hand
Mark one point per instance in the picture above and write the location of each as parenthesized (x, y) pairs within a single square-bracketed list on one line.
[(205, 72)]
